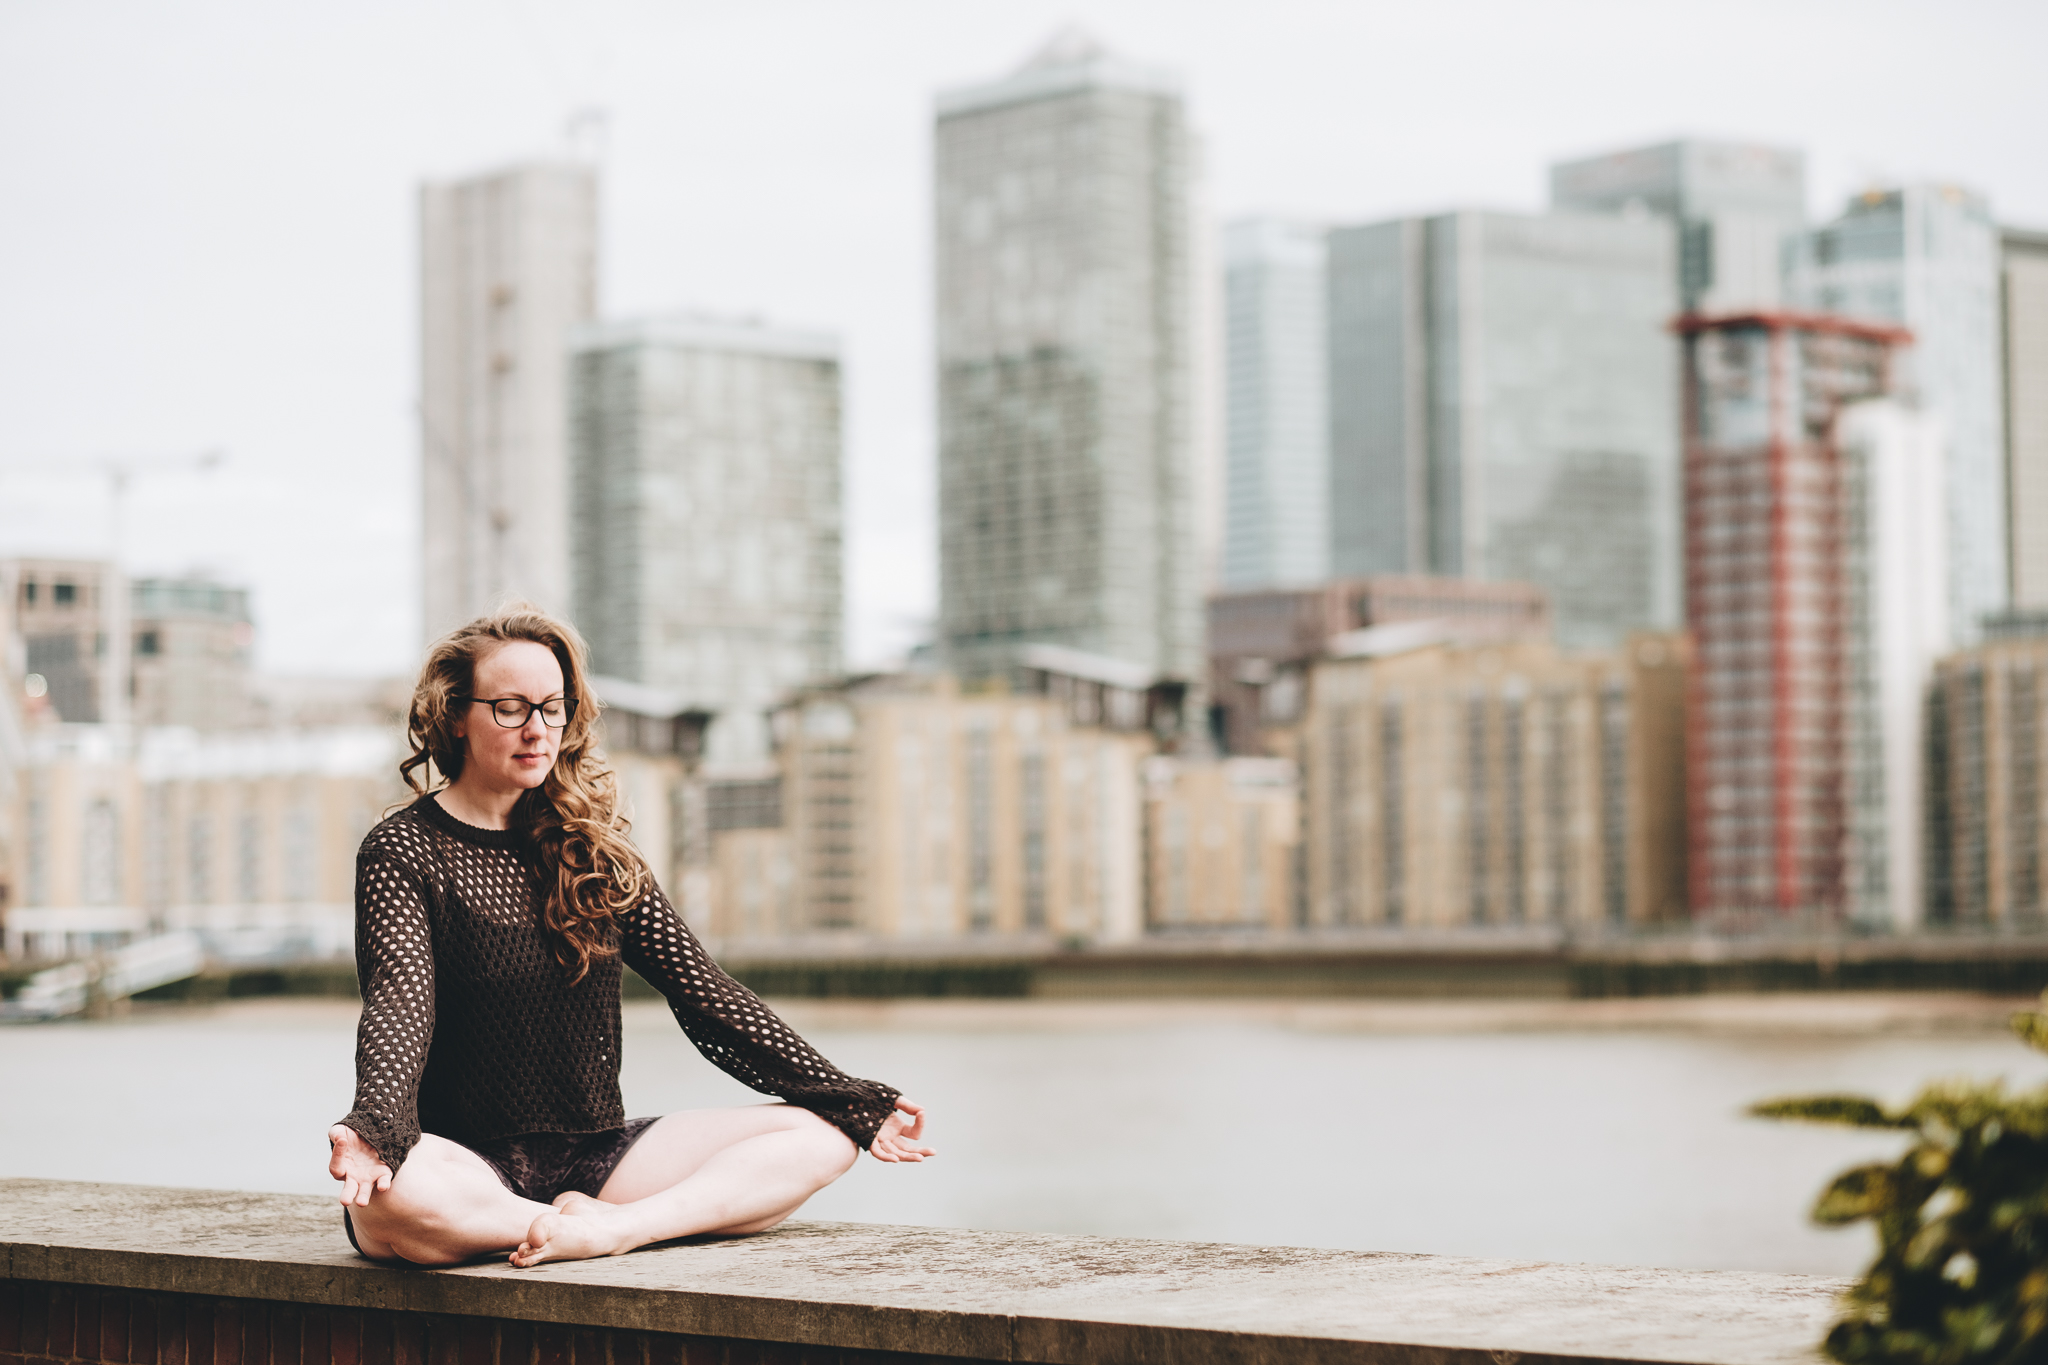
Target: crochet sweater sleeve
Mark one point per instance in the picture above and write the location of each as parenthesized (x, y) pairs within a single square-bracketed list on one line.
[(395, 968), (742, 1036)]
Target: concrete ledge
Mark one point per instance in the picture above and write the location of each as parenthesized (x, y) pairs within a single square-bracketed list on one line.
[(853, 1288)]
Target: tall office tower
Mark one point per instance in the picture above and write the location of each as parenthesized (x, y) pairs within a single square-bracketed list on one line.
[(2026, 412), (1815, 593), (1067, 488), (1504, 405), (1928, 257), (706, 513), (508, 266), (1276, 421), (1737, 205)]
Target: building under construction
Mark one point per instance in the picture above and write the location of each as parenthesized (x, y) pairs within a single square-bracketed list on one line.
[(1809, 532), (508, 267), (190, 651)]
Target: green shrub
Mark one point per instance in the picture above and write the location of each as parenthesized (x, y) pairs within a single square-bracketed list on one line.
[(1961, 1275)]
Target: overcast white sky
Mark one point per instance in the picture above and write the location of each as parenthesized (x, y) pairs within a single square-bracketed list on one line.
[(206, 210)]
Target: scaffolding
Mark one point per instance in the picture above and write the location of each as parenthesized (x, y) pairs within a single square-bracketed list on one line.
[(1767, 598)]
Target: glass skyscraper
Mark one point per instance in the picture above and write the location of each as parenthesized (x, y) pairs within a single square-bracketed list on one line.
[(1276, 422), (706, 514), (1736, 207), (1504, 405), (1067, 489), (1927, 256)]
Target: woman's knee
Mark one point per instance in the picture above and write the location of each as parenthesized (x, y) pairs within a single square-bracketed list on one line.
[(833, 1150), (426, 1251), (405, 1203), (414, 1231), (415, 1207)]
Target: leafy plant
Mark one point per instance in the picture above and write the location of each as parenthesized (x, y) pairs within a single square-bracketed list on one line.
[(1961, 1275)]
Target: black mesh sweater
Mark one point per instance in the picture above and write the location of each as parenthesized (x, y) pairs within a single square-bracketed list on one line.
[(471, 1030)]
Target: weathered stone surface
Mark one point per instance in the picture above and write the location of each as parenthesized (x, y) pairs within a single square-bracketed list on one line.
[(980, 1295)]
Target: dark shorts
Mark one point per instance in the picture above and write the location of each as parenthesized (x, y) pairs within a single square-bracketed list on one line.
[(544, 1166)]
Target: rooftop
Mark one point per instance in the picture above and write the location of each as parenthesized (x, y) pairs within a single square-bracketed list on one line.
[(691, 331), (1071, 61)]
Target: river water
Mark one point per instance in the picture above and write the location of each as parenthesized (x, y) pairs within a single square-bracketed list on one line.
[(1566, 1136)]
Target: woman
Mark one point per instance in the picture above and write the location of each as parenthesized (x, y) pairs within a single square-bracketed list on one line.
[(492, 919)]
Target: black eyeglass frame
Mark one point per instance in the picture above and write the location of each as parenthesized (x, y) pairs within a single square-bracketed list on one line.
[(569, 714)]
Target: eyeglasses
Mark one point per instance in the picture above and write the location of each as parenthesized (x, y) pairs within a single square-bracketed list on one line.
[(513, 712)]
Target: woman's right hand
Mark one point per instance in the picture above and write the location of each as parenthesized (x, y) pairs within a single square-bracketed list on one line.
[(897, 1140), (356, 1165)]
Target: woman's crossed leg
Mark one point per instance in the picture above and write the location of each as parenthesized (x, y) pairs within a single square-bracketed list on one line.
[(700, 1171), (707, 1170)]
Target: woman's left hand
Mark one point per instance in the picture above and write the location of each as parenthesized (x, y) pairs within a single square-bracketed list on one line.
[(897, 1141)]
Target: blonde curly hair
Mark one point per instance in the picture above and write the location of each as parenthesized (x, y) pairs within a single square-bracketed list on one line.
[(573, 817)]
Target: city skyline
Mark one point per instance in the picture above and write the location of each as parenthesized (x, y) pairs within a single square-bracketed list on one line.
[(226, 337)]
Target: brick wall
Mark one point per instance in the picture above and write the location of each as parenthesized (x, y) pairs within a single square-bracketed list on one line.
[(59, 1324)]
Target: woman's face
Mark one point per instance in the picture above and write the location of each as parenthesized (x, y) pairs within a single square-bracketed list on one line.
[(520, 758)]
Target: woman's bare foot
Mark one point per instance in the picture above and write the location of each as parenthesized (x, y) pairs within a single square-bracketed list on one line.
[(577, 1232), (575, 1202)]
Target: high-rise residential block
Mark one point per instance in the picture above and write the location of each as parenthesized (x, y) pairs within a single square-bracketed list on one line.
[(1263, 641), (1893, 540), (1817, 600), (508, 267), (1222, 843), (1504, 405), (1927, 257), (2025, 307), (1987, 801), (1496, 785), (908, 810), (1276, 420), (1737, 207), (706, 513), (1067, 484), (248, 840)]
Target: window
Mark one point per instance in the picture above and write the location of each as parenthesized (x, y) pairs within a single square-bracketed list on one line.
[(1251, 865), (1393, 831), (250, 860), (199, 860), (100, 877), (981, 905), (1034, 841), (37, 892), (301, 832), (65, 595), (147, 643)]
